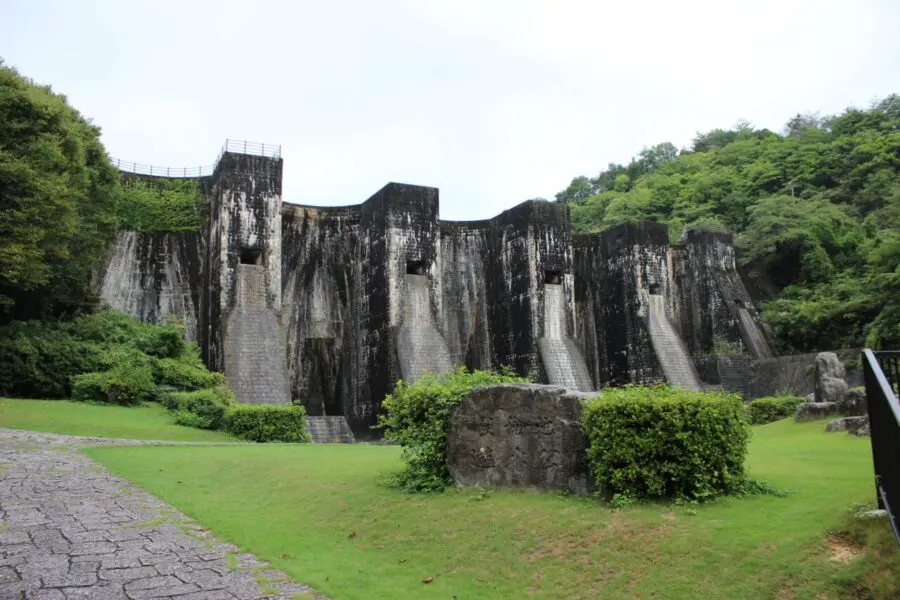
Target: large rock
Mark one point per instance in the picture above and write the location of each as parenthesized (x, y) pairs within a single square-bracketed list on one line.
[(830, 384), (520, 436), (854, 404), (811, 411), (855, 425), (863, 429)]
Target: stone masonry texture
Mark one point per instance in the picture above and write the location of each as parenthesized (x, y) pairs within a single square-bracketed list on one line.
[(73, 531), (519, 436)]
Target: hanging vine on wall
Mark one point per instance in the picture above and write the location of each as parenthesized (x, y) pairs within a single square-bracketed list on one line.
[(161, 205)]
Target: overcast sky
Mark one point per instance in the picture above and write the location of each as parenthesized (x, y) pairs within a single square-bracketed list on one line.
[(492, 101)]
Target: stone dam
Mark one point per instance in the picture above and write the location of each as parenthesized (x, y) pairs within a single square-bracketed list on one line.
[(330, 306)]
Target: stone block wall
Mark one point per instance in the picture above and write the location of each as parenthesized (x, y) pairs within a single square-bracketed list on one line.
[(242, 297), (463, 262), (712, 304), (155, 277), (528, 244), (616, 272), (320, 273)]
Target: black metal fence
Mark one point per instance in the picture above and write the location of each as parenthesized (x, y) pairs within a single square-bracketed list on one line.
[(234, 146), (882, 373)]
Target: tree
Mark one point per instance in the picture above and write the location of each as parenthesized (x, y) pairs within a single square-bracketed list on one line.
[(58, 199), (578, 191)]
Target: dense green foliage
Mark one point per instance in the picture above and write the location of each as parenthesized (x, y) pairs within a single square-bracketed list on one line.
[(104, 357), (58, 200), (267, 423), (666, 442), (816, 210), (124, 384), (767, 410), (204, 409), (418, 418), (160, 205)]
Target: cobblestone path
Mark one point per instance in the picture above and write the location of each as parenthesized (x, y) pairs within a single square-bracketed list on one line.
[(70, 530)]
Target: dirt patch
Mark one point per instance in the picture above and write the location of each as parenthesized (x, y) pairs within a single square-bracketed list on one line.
[(844, 549)]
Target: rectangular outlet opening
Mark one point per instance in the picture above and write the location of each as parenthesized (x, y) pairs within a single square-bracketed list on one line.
[(415, 267), (553, 277), (251, 256)]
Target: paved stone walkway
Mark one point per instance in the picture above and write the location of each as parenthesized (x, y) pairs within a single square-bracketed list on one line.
[(70, 530)]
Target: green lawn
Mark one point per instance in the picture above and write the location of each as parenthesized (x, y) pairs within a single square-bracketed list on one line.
[(150, 422), (318, 513)]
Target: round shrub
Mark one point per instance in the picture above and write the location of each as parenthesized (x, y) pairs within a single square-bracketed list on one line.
[(267, 423), (666, 442), (126, 386), (773, 408), (208, 406)]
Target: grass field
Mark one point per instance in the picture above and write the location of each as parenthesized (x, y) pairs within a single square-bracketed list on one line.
[(150, 422), (318, 513)]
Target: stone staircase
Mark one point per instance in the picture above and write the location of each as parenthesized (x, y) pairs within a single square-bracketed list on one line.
[(255, 361), (329, 430), (562, 360), (670, 349), (420, 346)]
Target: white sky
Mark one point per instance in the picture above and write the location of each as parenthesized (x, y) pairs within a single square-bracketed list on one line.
[(492, 101)]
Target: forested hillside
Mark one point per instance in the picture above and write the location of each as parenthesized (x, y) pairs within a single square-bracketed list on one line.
[(815, 211)]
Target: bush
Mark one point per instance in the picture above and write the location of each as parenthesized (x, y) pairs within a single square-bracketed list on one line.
[(127, 386), (418, 418), (187, 372), (767, 410), (207, 406), (267, 423), (189, 419), (666, 442), (42, 359)]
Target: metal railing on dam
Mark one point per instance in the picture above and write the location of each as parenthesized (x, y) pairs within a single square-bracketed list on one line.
[(234, 146)]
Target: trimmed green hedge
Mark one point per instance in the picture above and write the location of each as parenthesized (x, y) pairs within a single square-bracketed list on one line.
[(666, 442), (204, 409), (418, 418), (773, 408), (267, 423)]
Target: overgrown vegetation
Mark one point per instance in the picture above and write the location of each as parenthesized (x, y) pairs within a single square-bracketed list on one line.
[(816, 210), (102, 357), (666, 442), (773, 408), (267, 423), (161, 205), (417, 416)]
